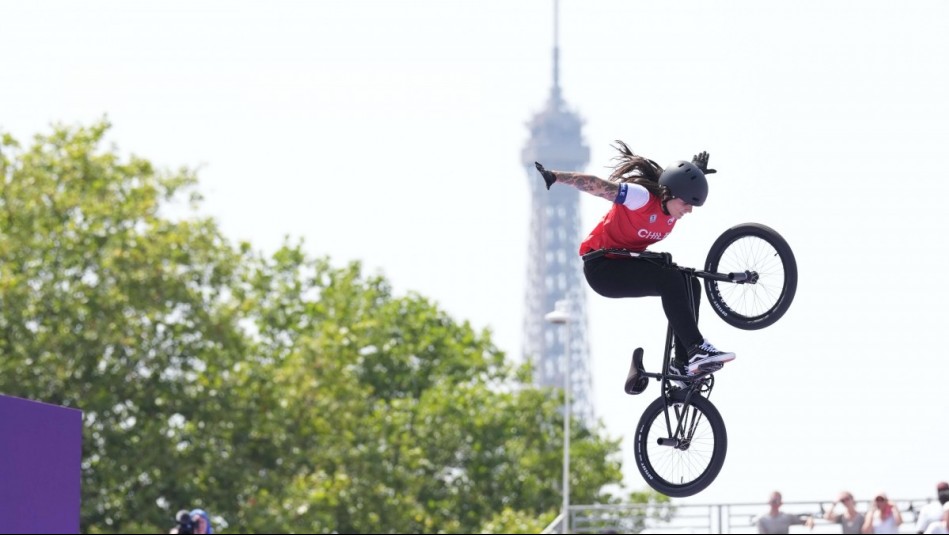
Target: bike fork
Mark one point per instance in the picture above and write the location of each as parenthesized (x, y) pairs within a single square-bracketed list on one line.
[(684, 424)]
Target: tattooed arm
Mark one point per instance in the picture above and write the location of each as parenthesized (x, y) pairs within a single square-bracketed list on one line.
[(589, 184)]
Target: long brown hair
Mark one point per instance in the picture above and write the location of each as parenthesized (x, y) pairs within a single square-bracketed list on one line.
[(636, 169)]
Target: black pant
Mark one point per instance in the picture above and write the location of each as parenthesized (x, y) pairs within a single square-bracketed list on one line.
[(631, 277)]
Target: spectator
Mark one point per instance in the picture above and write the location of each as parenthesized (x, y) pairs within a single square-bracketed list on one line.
[(941, 526), (883, 516), (776, 521), (850, 520), (194, 521), (202, 523), (932, 512)]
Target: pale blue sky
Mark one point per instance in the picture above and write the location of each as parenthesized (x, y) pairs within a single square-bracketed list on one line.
[(390, 132)]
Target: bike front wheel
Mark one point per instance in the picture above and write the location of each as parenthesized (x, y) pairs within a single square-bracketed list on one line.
[(758, 249), (687, 460)]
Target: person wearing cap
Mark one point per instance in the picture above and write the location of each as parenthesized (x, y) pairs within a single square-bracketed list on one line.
[(883, 516), (850, 520), (932, 512)]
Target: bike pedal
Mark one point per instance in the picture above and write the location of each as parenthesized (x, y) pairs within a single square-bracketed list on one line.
[(711, 367)]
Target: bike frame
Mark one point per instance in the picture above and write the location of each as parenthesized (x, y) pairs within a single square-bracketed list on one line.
[(680, 439), (703, 386)]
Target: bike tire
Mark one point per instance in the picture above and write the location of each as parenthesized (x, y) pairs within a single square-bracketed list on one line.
[(758, 248), (679, 472)]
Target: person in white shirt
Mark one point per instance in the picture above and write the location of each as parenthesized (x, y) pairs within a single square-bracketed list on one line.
[(941, 527), (883, 516), (932, 512)]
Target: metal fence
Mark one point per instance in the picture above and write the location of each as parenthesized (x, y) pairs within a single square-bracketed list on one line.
[(708, 518)]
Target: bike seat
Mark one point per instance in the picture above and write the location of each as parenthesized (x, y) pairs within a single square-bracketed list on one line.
[(636, 380)]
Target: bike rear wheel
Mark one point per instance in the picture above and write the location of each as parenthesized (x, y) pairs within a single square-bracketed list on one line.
[(693, 464), (760, 249)]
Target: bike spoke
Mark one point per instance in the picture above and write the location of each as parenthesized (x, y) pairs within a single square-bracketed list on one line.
[(752, 254), (677, 465), (763, 299)]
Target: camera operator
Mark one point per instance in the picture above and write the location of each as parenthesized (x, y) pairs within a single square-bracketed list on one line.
[(194, 521)]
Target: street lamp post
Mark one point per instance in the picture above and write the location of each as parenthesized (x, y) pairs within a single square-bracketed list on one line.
[(561, 316)]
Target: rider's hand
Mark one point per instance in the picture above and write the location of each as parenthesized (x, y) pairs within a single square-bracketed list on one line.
[(549, 177), (701, 161)]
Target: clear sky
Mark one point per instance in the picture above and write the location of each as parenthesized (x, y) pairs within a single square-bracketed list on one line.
[(390, 133)]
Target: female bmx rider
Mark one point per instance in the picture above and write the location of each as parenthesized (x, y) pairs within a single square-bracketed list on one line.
[(647, 203)]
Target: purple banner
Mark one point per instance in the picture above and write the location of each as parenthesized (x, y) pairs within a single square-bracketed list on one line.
[(40, 457)]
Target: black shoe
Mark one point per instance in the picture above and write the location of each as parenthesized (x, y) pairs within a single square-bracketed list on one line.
[(705, 358), (677, 368)]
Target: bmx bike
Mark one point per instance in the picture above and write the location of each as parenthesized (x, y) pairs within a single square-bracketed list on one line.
[(750, 279)]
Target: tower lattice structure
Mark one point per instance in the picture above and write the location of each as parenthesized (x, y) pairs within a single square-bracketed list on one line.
[(555, 271)]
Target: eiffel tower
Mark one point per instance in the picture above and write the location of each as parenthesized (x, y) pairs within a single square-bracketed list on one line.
[(555, 271)]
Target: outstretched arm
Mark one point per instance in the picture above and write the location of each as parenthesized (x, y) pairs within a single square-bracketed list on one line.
[(583, 182), (590, 184)]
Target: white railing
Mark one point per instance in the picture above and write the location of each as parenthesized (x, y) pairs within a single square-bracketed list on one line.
[(707, 518)]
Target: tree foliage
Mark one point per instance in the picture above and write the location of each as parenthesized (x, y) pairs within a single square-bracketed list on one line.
[(279, 392)]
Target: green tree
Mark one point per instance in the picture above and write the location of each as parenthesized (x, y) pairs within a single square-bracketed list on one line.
[(107, 306), (279, 392), (440, 434)]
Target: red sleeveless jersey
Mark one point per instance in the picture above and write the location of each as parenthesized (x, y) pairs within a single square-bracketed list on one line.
[(622, 228)]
